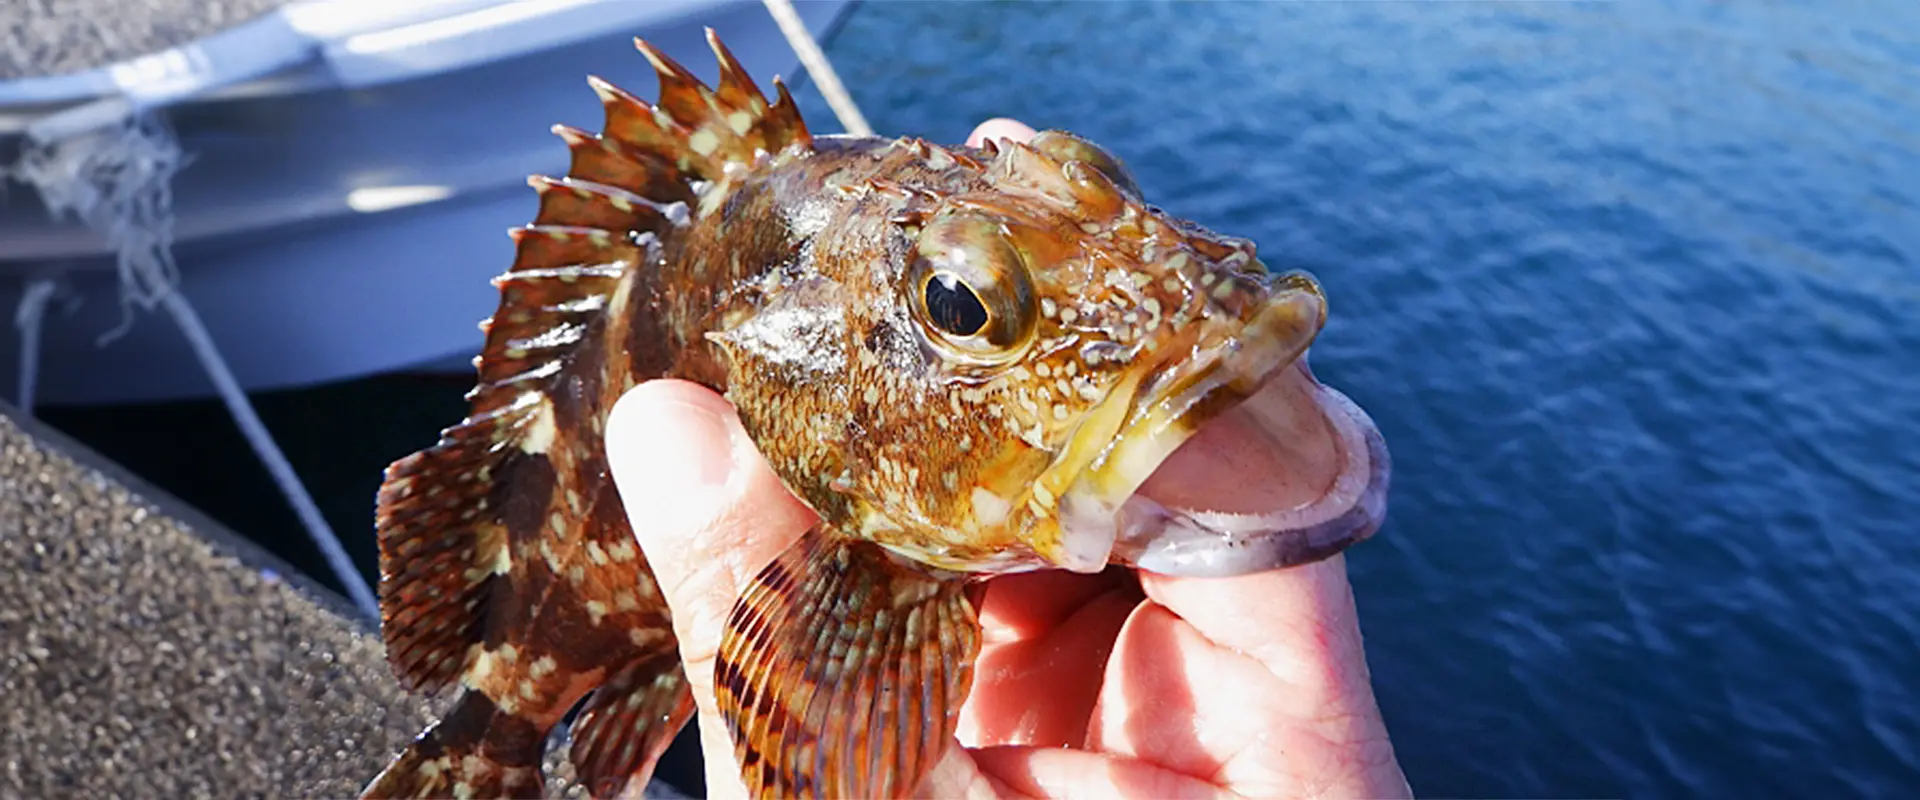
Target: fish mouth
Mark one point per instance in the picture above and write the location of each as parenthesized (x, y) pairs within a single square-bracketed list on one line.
[(1233, 462)]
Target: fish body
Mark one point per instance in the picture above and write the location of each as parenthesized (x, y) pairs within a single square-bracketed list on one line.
[(969, 361)]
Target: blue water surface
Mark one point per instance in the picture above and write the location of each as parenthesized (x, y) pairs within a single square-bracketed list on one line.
[(1633, 290)]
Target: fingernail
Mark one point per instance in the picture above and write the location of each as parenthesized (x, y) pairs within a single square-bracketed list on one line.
[(1000, 128), (672, 462)]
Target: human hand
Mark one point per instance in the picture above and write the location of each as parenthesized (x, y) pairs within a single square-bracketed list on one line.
[(1117, 684)]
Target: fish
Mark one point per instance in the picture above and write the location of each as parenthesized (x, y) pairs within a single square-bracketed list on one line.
[(970, 361)]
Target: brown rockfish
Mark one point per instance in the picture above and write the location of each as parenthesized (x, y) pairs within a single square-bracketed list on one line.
[(969, 361)]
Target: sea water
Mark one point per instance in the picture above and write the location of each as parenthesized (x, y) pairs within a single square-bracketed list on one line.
[(1633, 290)]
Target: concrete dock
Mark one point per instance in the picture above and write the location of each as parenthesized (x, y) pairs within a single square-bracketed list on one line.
[(146, 651)]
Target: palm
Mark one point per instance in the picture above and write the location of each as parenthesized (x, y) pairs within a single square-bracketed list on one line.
[(1045, 641), (1145, 702)]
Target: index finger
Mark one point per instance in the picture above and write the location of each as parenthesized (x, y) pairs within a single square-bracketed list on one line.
[(708, 514), (1273, 662)]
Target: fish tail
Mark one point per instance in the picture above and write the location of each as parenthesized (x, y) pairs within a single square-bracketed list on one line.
[(460, 558), (477, 750), (630, 190)]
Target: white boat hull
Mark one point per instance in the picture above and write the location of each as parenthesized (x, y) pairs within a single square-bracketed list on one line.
[(343, 223)]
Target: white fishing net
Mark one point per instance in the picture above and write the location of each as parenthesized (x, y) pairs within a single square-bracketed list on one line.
[(117, 179), (114, 172)]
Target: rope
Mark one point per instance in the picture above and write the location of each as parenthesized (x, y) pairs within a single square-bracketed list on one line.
[(28, 318), (269, 452), (117, 178), (811, 57)]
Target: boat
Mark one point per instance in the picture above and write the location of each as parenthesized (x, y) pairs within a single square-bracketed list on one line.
[(328, 185)]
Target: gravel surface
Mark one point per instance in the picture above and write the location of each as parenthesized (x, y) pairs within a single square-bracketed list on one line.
[(50, 37), (144, 656)]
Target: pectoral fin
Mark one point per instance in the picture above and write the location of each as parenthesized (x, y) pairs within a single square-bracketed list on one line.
[(841, 672)]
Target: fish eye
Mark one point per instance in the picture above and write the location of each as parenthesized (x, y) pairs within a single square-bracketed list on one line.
[(952, 305), (971, 290)]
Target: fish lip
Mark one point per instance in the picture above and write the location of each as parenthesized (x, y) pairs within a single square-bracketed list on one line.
[(1186, 543), (1105, 518)]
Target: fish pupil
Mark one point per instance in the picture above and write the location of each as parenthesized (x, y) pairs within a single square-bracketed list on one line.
[(953, 306)]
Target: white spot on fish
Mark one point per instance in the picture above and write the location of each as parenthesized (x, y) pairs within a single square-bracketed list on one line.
[(989, 508), (704, 142), (480, 669), (740, 122)]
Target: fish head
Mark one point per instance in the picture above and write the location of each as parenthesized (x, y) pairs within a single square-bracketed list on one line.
[(1044, 371), (1163, 369)]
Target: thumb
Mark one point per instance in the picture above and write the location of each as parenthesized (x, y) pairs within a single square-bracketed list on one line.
[(709, 514)]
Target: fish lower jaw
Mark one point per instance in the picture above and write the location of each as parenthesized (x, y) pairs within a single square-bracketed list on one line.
[(1295, 473), (1179, 540), (1139, 428)]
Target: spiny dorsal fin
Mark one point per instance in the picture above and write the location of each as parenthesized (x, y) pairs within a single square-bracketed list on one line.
[(442, 535), (700, 130)]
